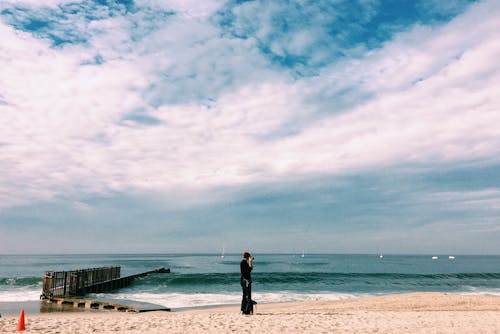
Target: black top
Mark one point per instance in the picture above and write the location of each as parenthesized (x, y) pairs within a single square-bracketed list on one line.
[(245, 270)]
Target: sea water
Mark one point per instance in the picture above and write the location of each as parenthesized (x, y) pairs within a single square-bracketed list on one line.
[(209, 279)]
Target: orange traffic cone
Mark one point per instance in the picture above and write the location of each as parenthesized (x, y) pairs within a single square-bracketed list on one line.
[(20, 324)]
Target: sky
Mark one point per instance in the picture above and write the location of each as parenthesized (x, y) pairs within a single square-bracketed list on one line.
[(176, 126)]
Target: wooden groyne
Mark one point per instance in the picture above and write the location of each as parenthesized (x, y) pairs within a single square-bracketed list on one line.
[(77, 283), (63, 303)]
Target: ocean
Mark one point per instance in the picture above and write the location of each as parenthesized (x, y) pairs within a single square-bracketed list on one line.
[(198, 280)]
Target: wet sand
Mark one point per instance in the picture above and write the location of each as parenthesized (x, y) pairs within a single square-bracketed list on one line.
[(403, 313)]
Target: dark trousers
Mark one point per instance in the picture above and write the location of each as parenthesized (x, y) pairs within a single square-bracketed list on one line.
[(246, 301)]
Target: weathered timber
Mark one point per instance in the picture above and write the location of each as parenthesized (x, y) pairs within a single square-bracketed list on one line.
[(80, 282), (112, 305)]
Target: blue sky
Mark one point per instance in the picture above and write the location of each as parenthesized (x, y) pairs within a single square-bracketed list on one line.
[(273, 126)]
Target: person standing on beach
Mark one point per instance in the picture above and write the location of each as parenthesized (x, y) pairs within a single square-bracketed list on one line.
[(246, 266)]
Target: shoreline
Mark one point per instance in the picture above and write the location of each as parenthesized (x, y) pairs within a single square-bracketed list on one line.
[(32, 307), (12, 308), (425, 312)]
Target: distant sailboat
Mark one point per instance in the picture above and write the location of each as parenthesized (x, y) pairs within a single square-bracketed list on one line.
[(223, 252), (380, 255), (434, 258), (303, 254), (451, 257)]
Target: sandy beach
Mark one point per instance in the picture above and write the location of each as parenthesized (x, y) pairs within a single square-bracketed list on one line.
[(403, 313)]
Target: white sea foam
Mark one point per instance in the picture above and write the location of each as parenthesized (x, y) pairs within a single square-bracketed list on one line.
[(471, 290), (20, 295), (285, 296), (181, 300)]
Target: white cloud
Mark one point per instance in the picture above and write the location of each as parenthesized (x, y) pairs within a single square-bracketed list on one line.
[(63, 130), (189, 8), (448, 115), (190, 62), (302, 35), (38, 3), (55, 110), (483, 200)]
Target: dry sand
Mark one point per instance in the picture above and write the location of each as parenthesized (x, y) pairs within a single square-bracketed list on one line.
[(404, 313)]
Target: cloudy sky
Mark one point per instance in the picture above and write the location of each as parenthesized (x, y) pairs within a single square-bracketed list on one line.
[(274, 126)]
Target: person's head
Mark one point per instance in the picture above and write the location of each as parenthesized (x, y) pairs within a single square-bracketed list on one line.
[(246, 255)]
